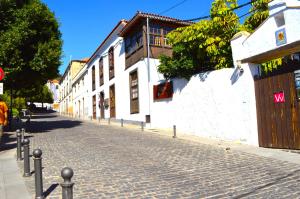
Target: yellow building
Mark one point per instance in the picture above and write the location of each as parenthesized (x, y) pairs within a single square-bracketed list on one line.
[(65, 93)]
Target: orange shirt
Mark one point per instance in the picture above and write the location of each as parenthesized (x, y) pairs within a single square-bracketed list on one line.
[(3, 109)]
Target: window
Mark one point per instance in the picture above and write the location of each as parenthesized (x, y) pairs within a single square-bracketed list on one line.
[(163, 91), (133, 42), (134, 92), (157, 35), (93, 78), (101, 79), (297, 83), (111, 63)]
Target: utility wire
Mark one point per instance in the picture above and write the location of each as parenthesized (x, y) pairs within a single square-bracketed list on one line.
[(232, 9), (174, 6)]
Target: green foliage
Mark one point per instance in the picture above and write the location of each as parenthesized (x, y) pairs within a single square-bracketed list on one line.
[(260, 13), (204, 45), (18, 103), (15, 112), (41, 94), (271, 65), (30, 43)]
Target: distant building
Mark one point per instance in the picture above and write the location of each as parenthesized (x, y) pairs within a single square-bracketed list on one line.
[(65, 93), (53, 86)]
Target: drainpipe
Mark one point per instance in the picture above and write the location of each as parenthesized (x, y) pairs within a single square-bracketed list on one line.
[(148, 67)]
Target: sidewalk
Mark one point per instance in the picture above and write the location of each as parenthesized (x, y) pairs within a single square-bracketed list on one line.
[(12, 184)]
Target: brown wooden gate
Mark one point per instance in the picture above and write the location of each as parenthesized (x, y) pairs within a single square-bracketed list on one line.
[(278, 122)]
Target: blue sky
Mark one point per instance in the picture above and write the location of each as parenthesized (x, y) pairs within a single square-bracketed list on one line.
[(85, 24)]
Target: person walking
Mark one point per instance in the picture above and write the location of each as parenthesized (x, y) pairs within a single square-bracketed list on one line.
[(3, 116)]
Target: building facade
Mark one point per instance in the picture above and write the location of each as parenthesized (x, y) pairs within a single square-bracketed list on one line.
[(53, 86), (121, 81), (66, 90)]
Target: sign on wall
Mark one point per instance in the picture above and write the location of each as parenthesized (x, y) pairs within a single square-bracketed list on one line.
[(1, 88), (1, 73), (279, 97), (280, 37)]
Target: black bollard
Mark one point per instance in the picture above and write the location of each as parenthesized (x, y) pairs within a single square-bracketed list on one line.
[(37, 153), (26, 158), (67, 185), (142, 126), (174, 131), (23, 133), (122, 122), (19, 145)]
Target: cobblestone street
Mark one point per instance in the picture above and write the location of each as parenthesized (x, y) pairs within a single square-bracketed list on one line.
[(115, 162)]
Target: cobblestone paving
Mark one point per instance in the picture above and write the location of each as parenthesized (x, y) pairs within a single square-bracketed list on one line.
[(114, 162)]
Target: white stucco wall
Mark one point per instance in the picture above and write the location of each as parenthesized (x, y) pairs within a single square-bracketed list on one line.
[(263, 38), (217, 104)]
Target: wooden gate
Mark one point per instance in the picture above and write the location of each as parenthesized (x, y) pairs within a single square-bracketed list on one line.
[(278, 108)]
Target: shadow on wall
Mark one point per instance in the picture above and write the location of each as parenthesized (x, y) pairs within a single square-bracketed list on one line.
[(179, 84), (235, 75), (46, 126)]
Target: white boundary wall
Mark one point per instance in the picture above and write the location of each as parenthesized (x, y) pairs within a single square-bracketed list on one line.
[(218, 104)]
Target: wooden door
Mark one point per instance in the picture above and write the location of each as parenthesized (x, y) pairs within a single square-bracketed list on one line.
[(101, 105), (79, 109), (278, 109), (94, 107), (112, 103)]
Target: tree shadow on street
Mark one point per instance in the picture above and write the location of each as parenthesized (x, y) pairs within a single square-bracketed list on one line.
[(46, 126), (9, 141), (40, 116)]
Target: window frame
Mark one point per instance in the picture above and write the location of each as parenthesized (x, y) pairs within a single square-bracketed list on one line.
[(111, 64), (134, 92), (101, 72), (133, 43), (93, 78)]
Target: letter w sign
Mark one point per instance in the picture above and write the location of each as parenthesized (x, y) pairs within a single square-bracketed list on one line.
[(279, 97)]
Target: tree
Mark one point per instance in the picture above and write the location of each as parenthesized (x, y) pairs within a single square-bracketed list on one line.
[(260, 13), (30, 43), (204, 45), (42, 95)]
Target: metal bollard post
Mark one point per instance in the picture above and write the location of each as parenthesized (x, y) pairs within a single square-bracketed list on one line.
[(142, 126), (122, 122), (37, 153), (26, 158), (19, 143), (108, 120), (67, 185), (23, 133), (174, 131), (99, 120)]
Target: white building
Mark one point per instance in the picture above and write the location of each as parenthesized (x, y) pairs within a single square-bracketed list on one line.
[(121, 81), (53, 86), (277, 93)]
